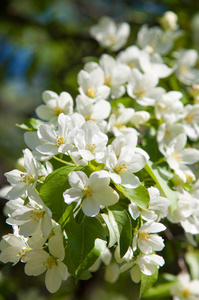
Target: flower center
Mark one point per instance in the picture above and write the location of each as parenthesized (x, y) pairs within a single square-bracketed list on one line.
[(107, 80), (184, 70), (186, 292), (176, 156), (58, 111), (88, 191), (26, 178), (120, 126), (59, 140), (111, 38), (144, 235), (140, 92), (49, 263), (91, 93), (91, 148), (121, 168), (131, 65), (36, 215), (189, 118)]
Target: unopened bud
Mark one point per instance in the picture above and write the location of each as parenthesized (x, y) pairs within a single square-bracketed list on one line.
[(169, 21)]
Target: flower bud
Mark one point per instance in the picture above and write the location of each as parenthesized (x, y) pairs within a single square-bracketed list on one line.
[(169, 21)]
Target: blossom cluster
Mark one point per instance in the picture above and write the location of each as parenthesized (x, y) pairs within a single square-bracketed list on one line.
[(98, 145)]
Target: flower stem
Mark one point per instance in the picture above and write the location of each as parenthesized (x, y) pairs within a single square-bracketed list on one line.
[(63, 161)]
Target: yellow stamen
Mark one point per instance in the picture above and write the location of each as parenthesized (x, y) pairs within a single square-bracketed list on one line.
[(121, 168), (186, 292), (107, 80), (27, 178), (49, 263), (91, 93), (189, 118), (88, 192), (176, 156), (58, 110), (91, 148), (144, 235), (140, 92), (59, 140)]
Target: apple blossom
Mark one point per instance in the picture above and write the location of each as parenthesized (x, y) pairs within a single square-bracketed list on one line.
[(54, 105), (92, 192), (110, 35)]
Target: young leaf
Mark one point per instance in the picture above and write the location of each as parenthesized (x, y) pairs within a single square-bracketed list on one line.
[(147, 282), (139, 196), (86, 242), (51, 192), (120, 223), (31, 124), (162, 182)]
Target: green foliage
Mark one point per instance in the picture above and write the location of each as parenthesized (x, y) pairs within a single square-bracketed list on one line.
[(147, 282), (161, 180), (31, 124), (139, 195), (86, 242), (120, 229), (51, 192)]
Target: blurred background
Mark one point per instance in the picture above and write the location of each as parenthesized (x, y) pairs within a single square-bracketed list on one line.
[(43, 45)]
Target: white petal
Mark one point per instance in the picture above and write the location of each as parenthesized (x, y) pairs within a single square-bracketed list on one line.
[(91, 207), (129, 180), (53, 279)]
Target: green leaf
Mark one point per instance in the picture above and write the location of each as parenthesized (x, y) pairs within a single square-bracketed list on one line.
[(95, 166), (162, 181), (31, 124), (126, 101), (147, 282), (120, 224), (160, 291), (86, 242), (51, 192), (140, 195)]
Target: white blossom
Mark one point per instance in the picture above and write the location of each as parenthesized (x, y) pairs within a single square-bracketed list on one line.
[(91, 84), (186, 212), (177, 155), (146, 239), (186, 61), (190, 121), (54, 105), (185, 288), (154, 39), (169, 107), (61, 140), (96, 112), (143, 88), (38, 261), (14, 248), (30, 215), (110, 35), (92, 192), (23, 181), (154, 64), (116, 75), (130, 57), (124, 160), (90, 141), (118, 120)]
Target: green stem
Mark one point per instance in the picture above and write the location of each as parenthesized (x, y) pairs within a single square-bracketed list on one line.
[(161, 160), (63, 161), (72, 159)]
